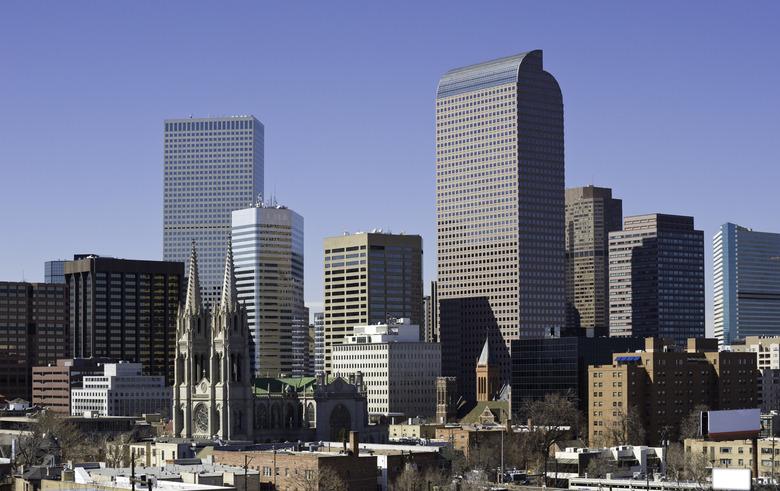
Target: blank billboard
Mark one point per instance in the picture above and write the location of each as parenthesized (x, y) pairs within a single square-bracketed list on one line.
[(734, 423), (731, 479)]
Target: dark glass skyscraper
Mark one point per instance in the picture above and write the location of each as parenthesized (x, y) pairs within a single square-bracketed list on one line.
[(656, 278), (500, 209), (747, 283), (125, 310), (212, 167)]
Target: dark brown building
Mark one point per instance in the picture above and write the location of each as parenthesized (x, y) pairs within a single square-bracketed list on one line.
[(125, 310), (33, 331), (52, 383)]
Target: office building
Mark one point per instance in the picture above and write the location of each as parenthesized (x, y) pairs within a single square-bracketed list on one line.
[(591, 214), (370, 278), (125, 309), (122, 390), (431, 311), (33, 331), (52, 383), (662, 386), (268, 254), (656, 278), (398, 368), (560, 366), (212, 167), (767, 351), (54, 271), (746, 294), (499, 209), (319, 342)]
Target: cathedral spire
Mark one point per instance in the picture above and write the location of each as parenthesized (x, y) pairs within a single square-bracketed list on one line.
[(229, 292), (192, 304)]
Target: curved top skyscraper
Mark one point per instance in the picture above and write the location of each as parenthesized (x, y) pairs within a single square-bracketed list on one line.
[(499, 209)]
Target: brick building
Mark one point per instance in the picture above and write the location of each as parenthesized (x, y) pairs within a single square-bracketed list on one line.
[(663, 386)]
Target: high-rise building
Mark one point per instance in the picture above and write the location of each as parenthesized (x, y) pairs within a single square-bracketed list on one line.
[(746, 269), (398, 368), (662, 385), (212, 167), (319, 342), (767, 350), (125, 310), (33, 331), (54, 271), (499, 209), (370, 278), (268, 248), (656, 278), (560, 366), (431, 308), (591, 214)]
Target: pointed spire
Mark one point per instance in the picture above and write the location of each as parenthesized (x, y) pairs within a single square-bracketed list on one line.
[(192, 304), (229, 292), (484, 357)]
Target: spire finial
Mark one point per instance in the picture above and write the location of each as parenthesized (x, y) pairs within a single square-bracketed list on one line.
[(193, 304), (229, 291), (484, 357)]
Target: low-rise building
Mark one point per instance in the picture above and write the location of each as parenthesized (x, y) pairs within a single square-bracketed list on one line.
[(413, 431), (398, 367), (619, 462), (52, 384), (738, 454), (122, 390)]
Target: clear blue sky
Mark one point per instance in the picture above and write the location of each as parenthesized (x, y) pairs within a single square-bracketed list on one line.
[(675, 105)]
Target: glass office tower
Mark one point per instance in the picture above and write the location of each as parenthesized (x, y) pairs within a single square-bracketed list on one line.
[(212, 167), (499, 208), (268, 255), (746, 270)]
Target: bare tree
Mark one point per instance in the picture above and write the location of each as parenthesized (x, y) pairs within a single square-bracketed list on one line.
[(315, 480), (675, 462), (600, 466), (625, 429), (54, 435), (552, 420), (331, 480), (690, 426), (118, 451)]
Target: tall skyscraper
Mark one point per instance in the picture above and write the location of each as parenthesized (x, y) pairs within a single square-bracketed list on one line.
[(370, 278), (591, 214), (212, 167), (431, 308), (500, 210), (33, 331), (656, 278), (268, 252), (125, 310), (747, 283)]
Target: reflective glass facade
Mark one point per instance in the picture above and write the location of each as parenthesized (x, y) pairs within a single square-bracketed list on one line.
[(500, 209), (746, 270), (212, 167), (54, 271), (268, 258)]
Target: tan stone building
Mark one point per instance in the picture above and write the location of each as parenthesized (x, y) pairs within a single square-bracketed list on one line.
[(369, 279), (738, 454), (591, 214), (663, 386)]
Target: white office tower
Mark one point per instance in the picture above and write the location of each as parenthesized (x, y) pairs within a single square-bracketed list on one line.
[(268, 255), (122, 390), (397, 367)]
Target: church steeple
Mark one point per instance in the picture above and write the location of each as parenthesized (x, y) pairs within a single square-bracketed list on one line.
[(192, 304), (229, 301)]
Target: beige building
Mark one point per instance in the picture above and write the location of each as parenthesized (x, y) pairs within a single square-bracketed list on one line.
[(370, 278), (738, 454), (499, 210), (663, 387), (591, 214), (767, 350)]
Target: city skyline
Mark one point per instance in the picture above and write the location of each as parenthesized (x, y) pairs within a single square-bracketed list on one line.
[(635, 149)]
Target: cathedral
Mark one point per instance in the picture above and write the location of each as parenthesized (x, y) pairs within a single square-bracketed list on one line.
[(215, 394)]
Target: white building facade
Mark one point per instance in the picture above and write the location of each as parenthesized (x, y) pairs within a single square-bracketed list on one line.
[(122, 390), (398, 369)]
